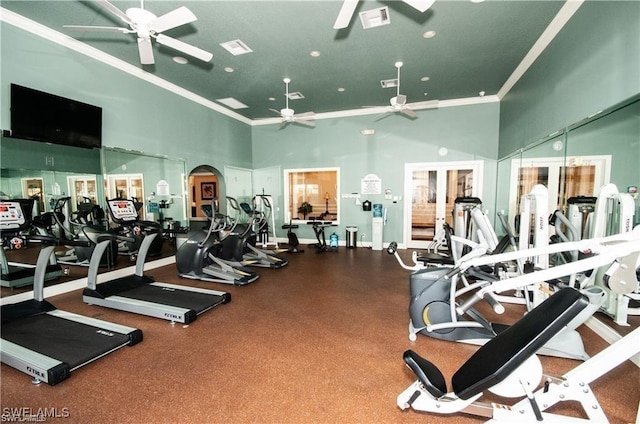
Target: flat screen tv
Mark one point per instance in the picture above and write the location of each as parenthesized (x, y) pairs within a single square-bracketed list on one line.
[(40, 116)]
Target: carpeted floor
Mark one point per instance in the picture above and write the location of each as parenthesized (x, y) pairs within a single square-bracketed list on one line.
[(319, 341)]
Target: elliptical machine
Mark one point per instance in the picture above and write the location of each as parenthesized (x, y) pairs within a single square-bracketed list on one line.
[(244, 236), (202, 256), (437, 308)]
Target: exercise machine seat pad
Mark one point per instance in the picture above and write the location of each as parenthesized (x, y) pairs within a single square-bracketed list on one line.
[(500, 356), (428, 374)]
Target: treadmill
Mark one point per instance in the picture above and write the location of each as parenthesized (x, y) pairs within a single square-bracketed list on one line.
[(14, 274), (139, 293), (43, 341)]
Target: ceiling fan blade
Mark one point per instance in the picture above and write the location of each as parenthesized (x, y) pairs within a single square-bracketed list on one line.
[(184, 47), (304, 115), (175, 18), (305, 122), (99, 28), (428, 104), (421, 5), (382, 116), (408, 112), (111, 8), (146, 51), (275, 111), (284, 123), (345, 14)]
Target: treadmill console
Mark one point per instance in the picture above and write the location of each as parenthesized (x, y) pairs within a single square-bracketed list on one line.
[(11, 216), (122, 210)]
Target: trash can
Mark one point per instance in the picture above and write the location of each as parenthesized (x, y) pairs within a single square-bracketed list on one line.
[(352, 237)]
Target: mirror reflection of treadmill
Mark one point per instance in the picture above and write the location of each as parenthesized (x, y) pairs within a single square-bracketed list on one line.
[(15, 219)]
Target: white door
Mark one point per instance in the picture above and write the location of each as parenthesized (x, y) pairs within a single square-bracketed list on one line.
[(430, 192)]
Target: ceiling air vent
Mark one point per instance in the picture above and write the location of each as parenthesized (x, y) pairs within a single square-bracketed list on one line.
[(389, 83), (295, 96), (236, 47), (375, 17), (232, 103)]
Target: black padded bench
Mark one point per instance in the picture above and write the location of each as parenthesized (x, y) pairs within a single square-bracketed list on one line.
[(500, 356)]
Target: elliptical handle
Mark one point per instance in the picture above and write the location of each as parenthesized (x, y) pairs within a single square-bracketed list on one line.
[(497, 307), (468, 304), (454, 271), (392, 248)]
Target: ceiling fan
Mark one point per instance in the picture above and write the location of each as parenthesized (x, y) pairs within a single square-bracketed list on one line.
[(398, 104), (146, 26), (289, 116), (349, 7)]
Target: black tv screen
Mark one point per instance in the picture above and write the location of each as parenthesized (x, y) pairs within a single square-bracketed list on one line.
[(36, 115)]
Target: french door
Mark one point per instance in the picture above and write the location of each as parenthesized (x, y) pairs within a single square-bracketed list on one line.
[(430, 192)]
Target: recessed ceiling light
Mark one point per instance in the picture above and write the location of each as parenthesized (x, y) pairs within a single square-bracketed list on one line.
[(273, 99), (476, 1), (368, 132), (481, 94), (429, 34), (314, 53), (425, 78), (426, 94), (228, 69), (181, 60), (341, 89)]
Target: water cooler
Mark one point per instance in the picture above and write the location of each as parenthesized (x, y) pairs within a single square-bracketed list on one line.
[(377, 226)]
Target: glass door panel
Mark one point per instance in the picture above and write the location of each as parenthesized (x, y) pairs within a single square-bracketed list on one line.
[(430, 194), (423, 204)]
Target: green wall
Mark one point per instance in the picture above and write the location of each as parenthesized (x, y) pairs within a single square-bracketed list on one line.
[(468, 132), (592, 64), (137, 115)]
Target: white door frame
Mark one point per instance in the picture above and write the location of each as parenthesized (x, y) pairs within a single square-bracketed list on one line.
[(476, 166)]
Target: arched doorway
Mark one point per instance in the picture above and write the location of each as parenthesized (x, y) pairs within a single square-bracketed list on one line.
[(205, 184)]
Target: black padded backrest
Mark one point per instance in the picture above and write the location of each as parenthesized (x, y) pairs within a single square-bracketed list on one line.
[(500, 356)]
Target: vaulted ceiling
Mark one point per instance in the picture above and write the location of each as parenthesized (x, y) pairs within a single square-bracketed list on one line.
[(474, 48)]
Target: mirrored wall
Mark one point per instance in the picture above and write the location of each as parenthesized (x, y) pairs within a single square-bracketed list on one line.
[(576, 161), (158, 182)]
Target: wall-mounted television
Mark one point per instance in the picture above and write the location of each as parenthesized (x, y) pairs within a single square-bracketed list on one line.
[(40, 116)]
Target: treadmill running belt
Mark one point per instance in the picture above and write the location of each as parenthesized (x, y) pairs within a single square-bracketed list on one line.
[(199, 302), (67, 341)]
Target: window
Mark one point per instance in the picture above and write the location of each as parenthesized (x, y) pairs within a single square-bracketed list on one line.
[(312, 194)]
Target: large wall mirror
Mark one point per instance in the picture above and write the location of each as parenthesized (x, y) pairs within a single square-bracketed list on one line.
[(156, 181), (577, 161)]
